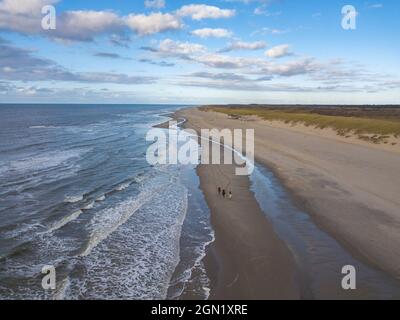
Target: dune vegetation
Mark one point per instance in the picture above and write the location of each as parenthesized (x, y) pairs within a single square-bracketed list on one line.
[(369, 124)]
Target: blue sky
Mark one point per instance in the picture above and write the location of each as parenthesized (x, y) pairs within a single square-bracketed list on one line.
[(196, 52)]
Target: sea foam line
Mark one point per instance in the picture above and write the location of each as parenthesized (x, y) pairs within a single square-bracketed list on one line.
[(59, 224), (110, 220)]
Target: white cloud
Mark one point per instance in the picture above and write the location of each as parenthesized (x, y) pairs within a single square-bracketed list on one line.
[(192, 52), (25, 7), (153, 23), (241, 45), (261, 11), (221, 61), (157, 4), (84, 25), (23, 15), (290, 68), (169, 47), (266, 30), (208, 32), (81, 25), (376, 6), (17, 64), (202, 11), (278, 51)]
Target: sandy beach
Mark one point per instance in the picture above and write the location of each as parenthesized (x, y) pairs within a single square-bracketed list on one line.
[(349, 188), (247, 260), (252, 263)]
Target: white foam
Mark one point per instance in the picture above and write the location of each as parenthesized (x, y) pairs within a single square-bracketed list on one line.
[(136, 257), (43, 161), (59, 224), (101, 198), (88, 206), (73, 199), (123, 186), (108, 220), (42, 127), (62, 289)]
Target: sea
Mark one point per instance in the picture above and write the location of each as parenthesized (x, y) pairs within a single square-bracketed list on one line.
[(77, 195)]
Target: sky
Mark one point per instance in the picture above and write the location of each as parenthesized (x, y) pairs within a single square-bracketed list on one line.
[(200, 52)]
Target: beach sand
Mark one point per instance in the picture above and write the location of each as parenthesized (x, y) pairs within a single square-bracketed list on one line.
[(350, 188), (250, 261), (247, 261)]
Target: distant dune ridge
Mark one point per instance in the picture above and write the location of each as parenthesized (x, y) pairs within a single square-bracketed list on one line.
[(376, 124)]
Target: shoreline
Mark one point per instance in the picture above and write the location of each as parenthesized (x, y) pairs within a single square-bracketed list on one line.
[(247, 260)]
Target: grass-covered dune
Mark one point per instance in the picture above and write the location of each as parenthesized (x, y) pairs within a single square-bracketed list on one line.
[(380, 122)]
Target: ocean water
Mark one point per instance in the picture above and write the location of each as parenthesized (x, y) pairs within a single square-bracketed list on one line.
[(77, 193)]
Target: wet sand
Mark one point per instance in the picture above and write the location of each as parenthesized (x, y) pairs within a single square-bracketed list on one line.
[(250, 261), (247, 260)]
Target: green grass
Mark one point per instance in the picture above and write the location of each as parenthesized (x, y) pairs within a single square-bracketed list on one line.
[(343, 125)]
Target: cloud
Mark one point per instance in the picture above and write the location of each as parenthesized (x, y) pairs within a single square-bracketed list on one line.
[(85, 25), (192, 52), (153, 23), (278, 51), (224, 80), (375, 6), (25, 7), (183, 50), (262, 11), (106, 77), (156, 4), (265, 30), (18, 64), (80, 25), (264, 69), (25, 16), (304, 66), (218, 76), (120, 40), (240, 45), (34, 93), (157, 63), (202, 11), (208, 32), (234, 82), (393, 84), (109, 55), (221, 61), (22, 16)]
